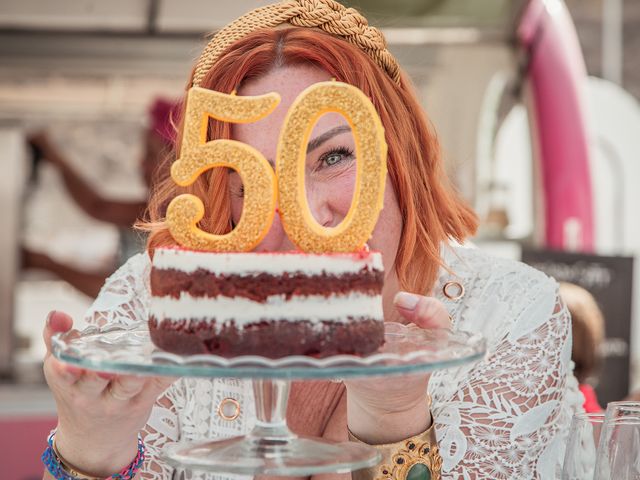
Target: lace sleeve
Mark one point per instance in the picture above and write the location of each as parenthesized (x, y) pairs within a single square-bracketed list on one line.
[(510, 415), (124, 298), (162, 428)]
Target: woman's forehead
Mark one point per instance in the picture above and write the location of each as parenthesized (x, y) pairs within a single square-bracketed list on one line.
[(288, 81)]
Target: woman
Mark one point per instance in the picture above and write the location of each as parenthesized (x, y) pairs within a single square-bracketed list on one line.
[(504, 417)]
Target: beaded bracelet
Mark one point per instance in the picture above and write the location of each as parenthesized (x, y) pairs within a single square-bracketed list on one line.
[(61, 470)]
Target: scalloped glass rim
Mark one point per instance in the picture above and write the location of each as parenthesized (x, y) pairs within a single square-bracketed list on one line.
[(407, 349)]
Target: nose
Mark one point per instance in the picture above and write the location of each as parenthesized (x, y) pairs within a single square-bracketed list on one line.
[(276, 239), (319, 205)]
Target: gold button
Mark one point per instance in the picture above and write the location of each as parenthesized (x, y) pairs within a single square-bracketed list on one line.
[(453, 290), (229, 409)]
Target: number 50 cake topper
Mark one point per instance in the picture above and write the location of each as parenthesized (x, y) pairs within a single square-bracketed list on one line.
[(260, 193)]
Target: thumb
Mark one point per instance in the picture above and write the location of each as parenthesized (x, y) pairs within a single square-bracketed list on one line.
[(426, 312), (57, 322)]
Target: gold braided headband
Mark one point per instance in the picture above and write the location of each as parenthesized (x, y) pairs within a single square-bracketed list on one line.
[(327, 15)]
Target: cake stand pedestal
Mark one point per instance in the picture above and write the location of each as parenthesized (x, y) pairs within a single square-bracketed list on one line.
[(270, 448)]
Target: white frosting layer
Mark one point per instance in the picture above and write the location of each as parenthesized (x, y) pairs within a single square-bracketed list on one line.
[(274, 263), (314, 308)]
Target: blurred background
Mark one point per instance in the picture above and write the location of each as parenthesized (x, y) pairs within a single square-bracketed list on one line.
[(535, 102)]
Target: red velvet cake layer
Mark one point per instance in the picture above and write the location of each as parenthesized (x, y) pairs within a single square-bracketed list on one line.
[(258, 288), (269, 338)]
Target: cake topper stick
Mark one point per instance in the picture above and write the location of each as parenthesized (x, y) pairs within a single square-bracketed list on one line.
[(197, 155), (371, 168)]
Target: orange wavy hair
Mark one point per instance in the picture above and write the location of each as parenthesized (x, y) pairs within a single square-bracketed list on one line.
[(431, 209)]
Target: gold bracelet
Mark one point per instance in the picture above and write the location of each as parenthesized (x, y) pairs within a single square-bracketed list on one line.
[(415, 458), (70, 469)]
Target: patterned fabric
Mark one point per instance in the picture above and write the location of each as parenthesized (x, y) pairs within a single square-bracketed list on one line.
[(506, 417)]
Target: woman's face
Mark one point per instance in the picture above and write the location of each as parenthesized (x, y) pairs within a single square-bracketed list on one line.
[(330, 170)]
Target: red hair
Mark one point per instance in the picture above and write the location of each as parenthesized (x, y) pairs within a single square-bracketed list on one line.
[(432, 211)]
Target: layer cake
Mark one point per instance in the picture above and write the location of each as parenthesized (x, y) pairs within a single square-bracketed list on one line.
[(271, 304)]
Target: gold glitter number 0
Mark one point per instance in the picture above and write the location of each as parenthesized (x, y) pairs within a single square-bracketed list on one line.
[(371, 168), (197, 156)]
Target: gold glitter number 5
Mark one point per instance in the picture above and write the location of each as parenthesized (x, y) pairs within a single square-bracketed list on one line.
[(197, 155)]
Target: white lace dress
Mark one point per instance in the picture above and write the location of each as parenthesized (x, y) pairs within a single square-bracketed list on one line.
[(506, 417)]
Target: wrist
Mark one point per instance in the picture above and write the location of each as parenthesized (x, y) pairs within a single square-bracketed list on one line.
[(100, 459), (377, 425), (416, 457)]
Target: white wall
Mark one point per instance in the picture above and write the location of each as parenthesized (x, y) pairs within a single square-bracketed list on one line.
[(12, 183)]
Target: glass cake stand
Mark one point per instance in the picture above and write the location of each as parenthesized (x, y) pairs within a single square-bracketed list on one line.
[(270, 448)]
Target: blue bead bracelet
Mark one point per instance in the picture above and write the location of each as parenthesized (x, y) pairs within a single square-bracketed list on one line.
[(55, 465)]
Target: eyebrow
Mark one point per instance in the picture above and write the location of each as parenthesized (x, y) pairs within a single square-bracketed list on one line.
[(320, 139)]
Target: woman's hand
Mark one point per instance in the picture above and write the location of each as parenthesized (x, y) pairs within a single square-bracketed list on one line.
[(389, 409), (99, 414)]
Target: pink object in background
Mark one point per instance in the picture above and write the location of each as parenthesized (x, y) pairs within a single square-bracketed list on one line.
[(22, 442), (164, 117), (556, 75)]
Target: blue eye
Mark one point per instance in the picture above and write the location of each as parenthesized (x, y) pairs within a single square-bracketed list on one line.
[(335, 156)]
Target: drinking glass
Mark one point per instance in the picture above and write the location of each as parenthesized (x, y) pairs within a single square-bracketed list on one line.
[(618, 455), (580, 455)]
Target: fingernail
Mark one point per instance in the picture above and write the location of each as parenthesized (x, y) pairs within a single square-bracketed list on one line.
[(49, 317), (406, 300), (105, 375)]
